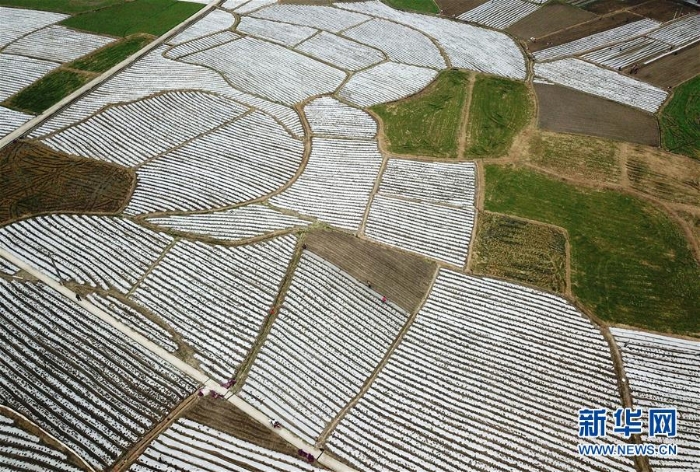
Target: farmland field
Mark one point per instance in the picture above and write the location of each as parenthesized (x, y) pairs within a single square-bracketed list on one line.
[(521, 251), (499, 110), (548, 19), (106, 58), (428, 123), (673, 69), (629, 262), (62, 6), (680, 120), (670, 177), (427, 6), (35, 179), (47, 91)]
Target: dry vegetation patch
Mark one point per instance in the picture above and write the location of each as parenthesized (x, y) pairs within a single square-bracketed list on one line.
[(579, 157), (403, 277), (664, 175), (692, 217), (35, 179), (521, 250), (570, 111)]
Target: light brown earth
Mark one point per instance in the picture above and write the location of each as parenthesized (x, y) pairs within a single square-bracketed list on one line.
[(403, 277), (673, 69), (663, 10), (549, 19), (457, 7), (692, 217), (521, 250), (570, 111), (35, 179), (585, 29)]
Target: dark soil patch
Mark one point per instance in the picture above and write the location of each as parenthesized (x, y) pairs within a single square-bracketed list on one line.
[(35, 179), (664, 10), (569, 111), (603, 23), (404, 278), (457, 7), (550, 19), (608, 6), (673, 69)]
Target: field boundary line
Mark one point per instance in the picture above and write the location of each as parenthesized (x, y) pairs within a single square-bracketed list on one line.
[(66, 101), (6, 410), (463, 128), (155, 263), (330, 427), (182, 366)]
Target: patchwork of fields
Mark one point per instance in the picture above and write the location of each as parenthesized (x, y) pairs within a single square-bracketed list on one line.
[(304, 237)]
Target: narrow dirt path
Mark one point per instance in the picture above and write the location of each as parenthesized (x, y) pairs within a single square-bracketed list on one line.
[(325, 459), (463, 138), (152, 266)]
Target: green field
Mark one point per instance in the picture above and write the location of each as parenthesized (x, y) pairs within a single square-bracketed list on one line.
[(426, 6), (61, 6), (428, 123), (108, 57), (630, 263), (520, 250), (139, 16), (47, 91), (499, 109), (680, 120)]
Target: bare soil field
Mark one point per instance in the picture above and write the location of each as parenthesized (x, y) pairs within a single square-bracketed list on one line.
[(550, 19), (673, 69), (457, 7), (225, 417), (569, 111), (35, 179), (663, 175), (404, 278), (608, 6), (585, 29), (663, 10), (578, 157), (520, 250)]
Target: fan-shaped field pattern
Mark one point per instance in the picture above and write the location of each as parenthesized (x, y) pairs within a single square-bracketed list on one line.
[(281, 33), (58, 44), (19, 72), (187, 445), (489, 375), (11, 120), (342, 53), (589, 78), (329, 117), (22, 451), (594, 41), (240, 223), (18, 22), (84, 248), (663, 372), (385, 82), (200, 44), (77, 377), (466, 46), (215, 21), (134, 320), (270, 70), (248, 158), (321, 17), (336, 182), (217, 297), (129, 134), (329, 335), (437, 182), (429, 229), (499, 14), (152, 74), (400, 43)]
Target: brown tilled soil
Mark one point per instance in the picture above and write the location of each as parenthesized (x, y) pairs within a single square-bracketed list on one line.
[(520, 250), (663, 175), (576, 32), (36, 179), (549, 19), (569, 111), (225, 417), (673, 69), (664, 10), (404, 278), (608, 6), (457, 7)]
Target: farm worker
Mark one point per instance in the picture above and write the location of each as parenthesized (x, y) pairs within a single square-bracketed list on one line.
[(383, 299), (77, 295)]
